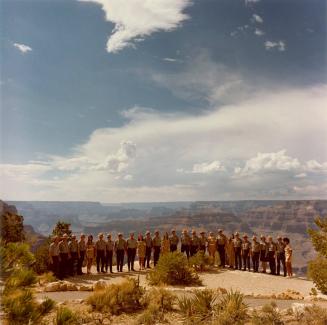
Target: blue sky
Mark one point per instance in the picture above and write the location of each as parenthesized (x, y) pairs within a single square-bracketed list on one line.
[(163, 100)]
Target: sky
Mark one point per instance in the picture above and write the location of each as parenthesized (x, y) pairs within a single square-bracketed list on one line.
[(163, 100)]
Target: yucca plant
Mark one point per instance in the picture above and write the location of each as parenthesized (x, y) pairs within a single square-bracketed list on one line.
[(46, 306), (20, 278), (268, 314), (65, 316), (160, 297)]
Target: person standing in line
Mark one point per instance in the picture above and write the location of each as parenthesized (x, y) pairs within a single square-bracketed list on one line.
[(221, 247), (54, 257), (174, 240), (100, 252), (90, 254), (148, 249), (131, 251), (156, 243), (141, 250), (280, 255), (272, 255), (81, 254), (120, 248), (194, 243), (165, 245), (288, 256), (109, 253), (230, 252), (73, 249), (212, 247), (203, 242), (237, 242), (255, 253), (263, 253), (64, 256), (185, 243), (246, 251)]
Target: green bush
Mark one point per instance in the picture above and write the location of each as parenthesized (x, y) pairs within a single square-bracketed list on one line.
[(317, 271), (46, 306), (126, 297), (173, 269), (314, 315), (199, 261), (268, 314), (20, 278), (65, 316)]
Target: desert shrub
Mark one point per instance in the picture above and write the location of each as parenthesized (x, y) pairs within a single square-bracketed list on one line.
[(268, 314), (46, 306), (160, 297), (118, 298), (317, 271), (46, 277), (41, 254), (199, 261), (314, 315), (151, 315), (20, 306), (65, 316), (20, 278), (173, 268)]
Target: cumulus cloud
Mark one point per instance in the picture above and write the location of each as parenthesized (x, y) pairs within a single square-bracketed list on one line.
[(257, 19), (204, 168), (279, 45), (22, 47), (259, 32), (136, 19), (249, 2)]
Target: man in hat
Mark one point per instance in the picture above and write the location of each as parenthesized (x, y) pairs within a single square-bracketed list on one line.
[(64, 256), (156, 243), (255, 253), (221, 244), (120, 247), (280, 255), (131, 251), (237, 243), (81, 254), (73, 249), (54, 256), (100, 252), (148, 249), (203, 241), (272, 255), (194, 243), (263, 253), (185, 243), (109, 253), (174, 240), (246, 249)]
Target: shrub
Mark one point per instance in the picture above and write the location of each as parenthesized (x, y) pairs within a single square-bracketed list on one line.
[(317, 271), (118, 298), (20, 278), (173, 268), (200, 261), (314, 315), (65, 316), (46, 306), (268, 314), (47, 277), (160, 297), (41, 254), (151, 315)]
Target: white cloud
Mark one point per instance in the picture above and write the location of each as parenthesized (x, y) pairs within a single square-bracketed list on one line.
[(315, 166), (301, 175), (136, 19), (259, 32), (170, 60), (22, 47), (204, 168), (279, 45), (257, 19), (249, 2)]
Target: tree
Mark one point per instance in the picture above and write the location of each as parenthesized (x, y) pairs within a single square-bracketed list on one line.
[(12, 228), (318, 267), (61, 228)]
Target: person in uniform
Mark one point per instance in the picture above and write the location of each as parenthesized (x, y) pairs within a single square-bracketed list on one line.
[(74, 256), (148, 249), (280, 255), (120, 248), (263, 253), (131, 251), (272, 255), (230, 252), (81, 254), (194, 243), (288, 256), (237, 243), (109, 253), (185, 243), (221, 247), (64, 256), (54, 257), (100, 252), (246, 252), (255, 253), (212, 247), (165, 244), (203, 242), (141, 250), (156, 243), (174, 240), (90, 253)]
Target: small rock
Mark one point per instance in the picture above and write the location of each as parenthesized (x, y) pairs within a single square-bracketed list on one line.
[(85, 288), (52, 287), (71, 287)]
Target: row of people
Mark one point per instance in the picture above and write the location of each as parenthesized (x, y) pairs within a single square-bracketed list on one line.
[(68, 257)]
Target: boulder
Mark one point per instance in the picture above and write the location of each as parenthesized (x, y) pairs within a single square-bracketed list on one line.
[(53, 286), (290, 295), (85, 288), (71, 287)]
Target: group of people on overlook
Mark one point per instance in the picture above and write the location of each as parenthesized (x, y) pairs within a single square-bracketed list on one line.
[(68, 255)]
